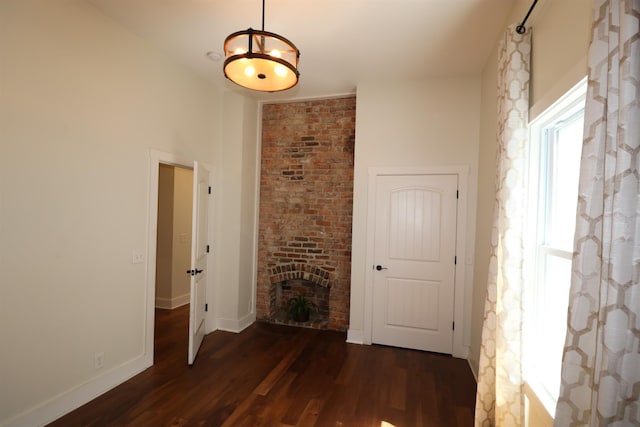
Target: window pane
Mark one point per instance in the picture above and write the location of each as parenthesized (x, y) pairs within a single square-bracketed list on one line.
[(553, 321), (565, 153)]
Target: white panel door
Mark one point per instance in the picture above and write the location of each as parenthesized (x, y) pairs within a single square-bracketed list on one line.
[(198, 271), (414, 253)]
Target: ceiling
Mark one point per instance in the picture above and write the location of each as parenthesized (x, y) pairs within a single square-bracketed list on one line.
[(342, 42)]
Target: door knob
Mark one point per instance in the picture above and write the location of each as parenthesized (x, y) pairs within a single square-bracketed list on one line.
[(379, 267), (194, 272)]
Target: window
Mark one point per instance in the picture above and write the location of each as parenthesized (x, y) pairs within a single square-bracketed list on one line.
[(556, 145)]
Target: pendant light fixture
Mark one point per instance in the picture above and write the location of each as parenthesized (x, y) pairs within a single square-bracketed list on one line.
[(260, 60)]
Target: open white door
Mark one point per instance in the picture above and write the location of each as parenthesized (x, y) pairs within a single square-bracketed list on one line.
[(414, 249), (199, 252)]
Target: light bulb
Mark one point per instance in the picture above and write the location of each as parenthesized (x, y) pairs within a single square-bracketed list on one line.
[(249, 71), (280, 70), (275, 53)]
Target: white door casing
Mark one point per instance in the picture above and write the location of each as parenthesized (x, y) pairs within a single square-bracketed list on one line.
[(199, 252), (414, 253)]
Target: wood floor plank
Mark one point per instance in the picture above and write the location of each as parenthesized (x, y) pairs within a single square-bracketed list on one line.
[(274, 375), (310, 414), (242, 411), (279, 400), (349, 366), (398, 388)]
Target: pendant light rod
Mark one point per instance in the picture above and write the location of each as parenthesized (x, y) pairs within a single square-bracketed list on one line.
[(263, 15), (520, 29)]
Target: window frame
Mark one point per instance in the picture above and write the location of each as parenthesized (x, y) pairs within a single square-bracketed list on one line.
[(564, 110)]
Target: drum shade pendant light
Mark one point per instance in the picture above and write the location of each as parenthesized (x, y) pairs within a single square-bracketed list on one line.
[(260, 60)]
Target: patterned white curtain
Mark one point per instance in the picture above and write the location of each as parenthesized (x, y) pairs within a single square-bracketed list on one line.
[(499, 400), (601, 363)]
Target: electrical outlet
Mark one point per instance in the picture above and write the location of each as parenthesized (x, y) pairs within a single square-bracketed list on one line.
[(137, 258), (98, 360)]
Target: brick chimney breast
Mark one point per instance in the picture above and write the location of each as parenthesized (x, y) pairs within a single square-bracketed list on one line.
[(306, 203)]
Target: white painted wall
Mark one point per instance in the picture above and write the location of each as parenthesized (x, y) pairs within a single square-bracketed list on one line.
[(236, 212), (411, 123), (182, 219), (250, 187), (560, 31), (173, 246), (164, 239), (81, 101)]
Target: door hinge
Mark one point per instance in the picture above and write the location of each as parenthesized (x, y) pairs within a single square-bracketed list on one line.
[(457, 194), (209, 189), (207, 248), (455, 260), (453, 326), (206, 307)]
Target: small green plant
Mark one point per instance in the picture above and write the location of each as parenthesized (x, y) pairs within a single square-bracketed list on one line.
[(299, 308)]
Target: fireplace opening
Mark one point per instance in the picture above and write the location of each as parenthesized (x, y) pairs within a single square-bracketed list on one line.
[(293, 288), (293, 280)]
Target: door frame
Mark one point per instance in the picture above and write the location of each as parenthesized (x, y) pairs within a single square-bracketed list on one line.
[(462, 295), (155, 158)]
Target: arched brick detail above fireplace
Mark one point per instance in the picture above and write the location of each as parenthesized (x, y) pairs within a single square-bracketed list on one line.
[(316, 275)]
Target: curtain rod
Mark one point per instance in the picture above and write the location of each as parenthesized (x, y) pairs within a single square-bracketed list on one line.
[(520, 29)]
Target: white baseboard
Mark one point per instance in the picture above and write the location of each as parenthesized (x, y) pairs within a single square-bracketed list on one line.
[(355, 336), (181, 300), (171, 303), (236, 325), (67, 401), (474, 362), (163, 303), (474, 369)]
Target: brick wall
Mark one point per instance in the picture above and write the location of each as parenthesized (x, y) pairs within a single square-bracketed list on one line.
[(306, 198)]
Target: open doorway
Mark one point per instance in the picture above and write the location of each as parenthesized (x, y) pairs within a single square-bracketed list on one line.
[(173, 252), (201, 203)]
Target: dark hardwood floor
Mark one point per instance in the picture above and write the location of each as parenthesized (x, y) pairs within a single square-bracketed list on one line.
[(272, 375)]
